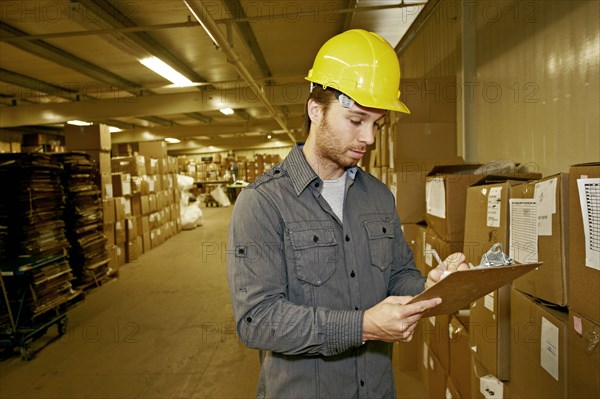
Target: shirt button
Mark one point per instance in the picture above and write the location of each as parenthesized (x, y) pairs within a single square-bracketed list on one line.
[(347, 238), (384, 230), (352, 274), (362, 383), (356, 308), (249, 319), (315, 238), (317, 184)]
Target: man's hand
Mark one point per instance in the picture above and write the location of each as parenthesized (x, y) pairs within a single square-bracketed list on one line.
[(454, 262), (391, 320)]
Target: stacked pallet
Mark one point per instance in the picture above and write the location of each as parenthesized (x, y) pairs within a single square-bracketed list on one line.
[(83, 218)]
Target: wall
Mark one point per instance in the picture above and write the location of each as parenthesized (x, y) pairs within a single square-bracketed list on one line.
[(527, 78)]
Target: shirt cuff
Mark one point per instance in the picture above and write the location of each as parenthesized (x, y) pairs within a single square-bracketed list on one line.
[(344, 330)]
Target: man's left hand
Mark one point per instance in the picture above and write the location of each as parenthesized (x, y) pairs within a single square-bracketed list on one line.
[(454, 262)]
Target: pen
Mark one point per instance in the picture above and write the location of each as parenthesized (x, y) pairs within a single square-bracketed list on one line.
[(445, 271)]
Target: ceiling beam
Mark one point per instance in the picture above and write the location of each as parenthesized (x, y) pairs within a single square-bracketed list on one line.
[(182, 132), (249, 143), (166, 104)]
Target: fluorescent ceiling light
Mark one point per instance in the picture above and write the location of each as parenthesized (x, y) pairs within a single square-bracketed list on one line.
[(160, 67), (269, 136), (79, 123), (113, 129), (172, 140), (226, 111), (201, 23)]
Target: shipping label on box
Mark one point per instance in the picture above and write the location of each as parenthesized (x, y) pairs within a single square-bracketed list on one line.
[(131, 225), (120, 233)]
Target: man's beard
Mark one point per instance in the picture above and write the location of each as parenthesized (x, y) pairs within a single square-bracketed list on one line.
[(329, 146)]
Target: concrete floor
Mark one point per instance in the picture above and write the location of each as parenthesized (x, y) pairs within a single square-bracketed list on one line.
[(163, 329)]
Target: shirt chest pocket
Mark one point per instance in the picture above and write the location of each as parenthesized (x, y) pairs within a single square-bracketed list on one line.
[(380, 236), (314, 254)]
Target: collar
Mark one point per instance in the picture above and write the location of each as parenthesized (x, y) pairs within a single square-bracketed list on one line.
[(301, 173)]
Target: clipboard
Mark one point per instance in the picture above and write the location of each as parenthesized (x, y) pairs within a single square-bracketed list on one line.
[(460, 288)]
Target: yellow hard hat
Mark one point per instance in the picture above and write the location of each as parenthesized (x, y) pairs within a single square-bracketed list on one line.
[(362, 65)]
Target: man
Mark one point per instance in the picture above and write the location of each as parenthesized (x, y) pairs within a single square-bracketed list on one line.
[(319, 270)]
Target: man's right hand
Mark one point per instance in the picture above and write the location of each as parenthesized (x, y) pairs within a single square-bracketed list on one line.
[(391, 320)]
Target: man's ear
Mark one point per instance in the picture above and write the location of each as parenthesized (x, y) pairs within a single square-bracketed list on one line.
[(315, 111)]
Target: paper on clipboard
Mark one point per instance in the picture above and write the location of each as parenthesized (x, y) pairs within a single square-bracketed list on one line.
[(459, 289)]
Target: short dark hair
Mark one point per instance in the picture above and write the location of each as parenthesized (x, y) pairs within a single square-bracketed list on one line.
[(321, 96)]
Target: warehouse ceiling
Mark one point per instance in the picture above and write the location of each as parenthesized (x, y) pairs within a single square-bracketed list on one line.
[(79, 60)]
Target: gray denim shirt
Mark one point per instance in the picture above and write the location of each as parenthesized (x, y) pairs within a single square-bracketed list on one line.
[(300, 281)]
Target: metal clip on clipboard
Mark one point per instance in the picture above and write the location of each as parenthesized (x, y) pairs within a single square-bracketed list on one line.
[(495, 257)]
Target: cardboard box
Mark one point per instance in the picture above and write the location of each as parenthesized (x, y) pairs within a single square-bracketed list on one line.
[(153, 149), (132, 165), (445, 198), (446, 192), (539, 361), (93, 137), (120, 232), (486, 218), (548, 282), (121, 149), (451, 390), (460, 356), (489, 328), (134, 249), (151, 166), (109, 233), (583, 357), (120, 208), (414, 234), (409, 181), (405, 355), (108, 210), (152, 206), (423, 360), (136, 205), (121, 184), (584, 274), (154, 238), (443, 248), (437, 336), (146, 242), (121, 255), (484, 384), (145, 204), (130, 223), (437, 378)]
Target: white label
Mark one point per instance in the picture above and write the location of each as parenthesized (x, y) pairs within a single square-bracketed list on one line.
[(435, 197), (428, 255), (108, 189), (425, 354), (488, 301), (577, 325), (589, 199), (545, 195), (432, 320), (493, 207), (549, 348), (448, 393), (491, 387), (523, 230)]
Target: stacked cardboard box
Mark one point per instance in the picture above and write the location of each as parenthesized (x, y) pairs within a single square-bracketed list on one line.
[(154, 201), (584, 282)]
